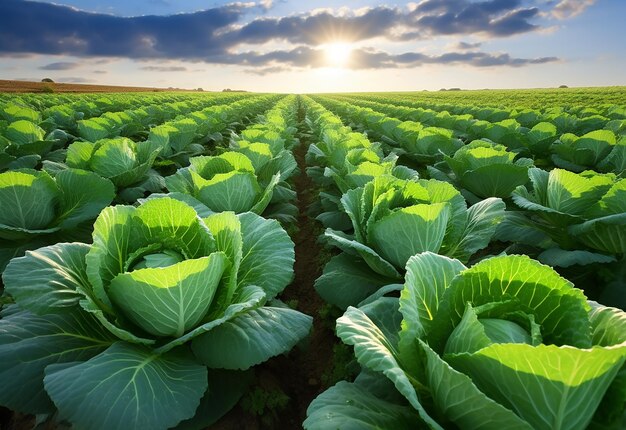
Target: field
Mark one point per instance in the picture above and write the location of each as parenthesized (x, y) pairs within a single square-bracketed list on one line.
[(190, 260)]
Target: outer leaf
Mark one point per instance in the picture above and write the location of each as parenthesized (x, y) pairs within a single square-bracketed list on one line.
[(352, 247), (266, 197), (557, 257), (128, 386), (609, 328), (350, 406), (427, 277), (462, 402), (268, 255), (111, 247), (606, 234), (83, 196), (347, 280), (482, 220), (252, 338), (562, 386), (226, 229), (29, 343), (374, 351), (10, 249), (225, 389), (48, 278)]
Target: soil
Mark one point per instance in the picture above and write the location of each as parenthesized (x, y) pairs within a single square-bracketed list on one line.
[(299, 374), (8, 86)]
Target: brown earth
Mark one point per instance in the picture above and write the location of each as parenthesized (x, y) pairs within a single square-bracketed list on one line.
[(300, 374), (8, 86)]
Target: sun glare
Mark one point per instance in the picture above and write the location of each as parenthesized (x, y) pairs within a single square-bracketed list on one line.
[(338, 54)]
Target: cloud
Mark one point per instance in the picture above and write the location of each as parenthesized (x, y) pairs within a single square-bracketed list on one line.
[(164, 68), (60, 66), (99, 72), (267, 70), (74, 80), (468, 45), (496, 18), (44, 28), (303, 57), (214, 35), (56, 29), (566, 9)]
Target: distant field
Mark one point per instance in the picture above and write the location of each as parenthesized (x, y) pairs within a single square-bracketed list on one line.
[(10, 86)]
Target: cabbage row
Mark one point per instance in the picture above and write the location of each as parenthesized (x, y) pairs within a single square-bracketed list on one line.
[(27, 136), (590, 227), (154, 319), (449, 334), (146, 252), (61, 202)]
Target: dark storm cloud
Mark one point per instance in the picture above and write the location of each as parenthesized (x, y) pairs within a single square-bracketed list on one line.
[(62, 65), (213, 35), (45, 28), (496, 18)]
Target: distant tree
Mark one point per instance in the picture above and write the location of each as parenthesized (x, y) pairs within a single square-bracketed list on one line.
[(199, 89), (454, 89), (226, 90), (563, 86), (443, 89), (47, 80)]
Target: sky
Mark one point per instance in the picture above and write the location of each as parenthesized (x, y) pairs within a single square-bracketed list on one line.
[(321, 46)]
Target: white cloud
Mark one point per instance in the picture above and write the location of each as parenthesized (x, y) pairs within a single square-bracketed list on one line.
[(566, 9)]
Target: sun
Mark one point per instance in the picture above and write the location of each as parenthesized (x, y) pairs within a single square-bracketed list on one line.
[(337, 54)]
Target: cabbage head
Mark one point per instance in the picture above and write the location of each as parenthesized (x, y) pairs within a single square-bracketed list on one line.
[(155, 320), (568, 213), (38, 209), (394, 219), (505, 344), (226, 182), (485, 169), (126, 163)]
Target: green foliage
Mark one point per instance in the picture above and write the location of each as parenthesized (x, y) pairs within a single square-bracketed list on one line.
[(107, 320), (507, 321), (38, 210), (394, 219)]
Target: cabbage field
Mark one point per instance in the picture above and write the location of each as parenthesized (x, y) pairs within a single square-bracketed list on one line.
[(437, 260)]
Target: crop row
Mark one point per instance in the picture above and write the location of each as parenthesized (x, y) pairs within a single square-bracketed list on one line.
[(452, 323), (147, 254), (146, 317)]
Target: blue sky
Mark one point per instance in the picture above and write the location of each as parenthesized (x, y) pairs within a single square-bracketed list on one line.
[(295, 46)]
